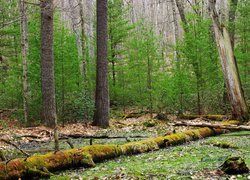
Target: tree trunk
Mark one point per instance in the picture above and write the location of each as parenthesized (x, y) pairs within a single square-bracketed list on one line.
[(180, 7), (84, 63), (149, 81), (176, 52), (24, 46), (229, 66), (76, 32), (101, 116), (47, 62), (89, 4), (232, 13)]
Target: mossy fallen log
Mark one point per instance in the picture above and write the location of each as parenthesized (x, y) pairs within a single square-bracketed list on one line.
[(43, 165)]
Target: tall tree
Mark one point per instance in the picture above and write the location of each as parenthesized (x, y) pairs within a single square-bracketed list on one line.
[(101, 116), (47, 68), (90, 4), (232, 14), (229, 66), (24, 46), (76, 30), (81, 14), (180, 6)]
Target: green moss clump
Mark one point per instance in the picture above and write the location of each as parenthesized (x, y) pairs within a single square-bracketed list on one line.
[(149, 124), (234, 165), (222, 144), (140, 146), (100, 152)]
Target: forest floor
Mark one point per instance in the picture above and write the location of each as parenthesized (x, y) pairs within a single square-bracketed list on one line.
[(194, 160)]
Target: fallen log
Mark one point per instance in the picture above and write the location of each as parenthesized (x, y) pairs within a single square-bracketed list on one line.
[(210, 117), (43, 165), (75, 136), (221, 126)]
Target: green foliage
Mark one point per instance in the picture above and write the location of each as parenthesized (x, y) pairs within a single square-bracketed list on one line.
[(143, 72), (72, 104), (242, 47), (199, 60)]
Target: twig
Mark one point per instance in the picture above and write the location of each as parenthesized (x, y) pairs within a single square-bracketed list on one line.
[(70, 144), (16, 146)]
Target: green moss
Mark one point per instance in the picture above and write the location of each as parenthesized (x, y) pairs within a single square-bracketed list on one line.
[(235, 165), (149, 124), (102, 152), (141, 146), (173, 163), (230, 122), (88, 155), (222, 144)]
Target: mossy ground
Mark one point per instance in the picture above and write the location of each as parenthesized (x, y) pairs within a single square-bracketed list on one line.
[(180, 162)]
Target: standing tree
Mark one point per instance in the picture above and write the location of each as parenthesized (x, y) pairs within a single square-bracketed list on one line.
[(47, 63), (229, 65), (84, 63), (24, 46), (101, 116)]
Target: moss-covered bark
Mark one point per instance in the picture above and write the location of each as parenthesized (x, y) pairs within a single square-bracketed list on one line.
[(42, 165)]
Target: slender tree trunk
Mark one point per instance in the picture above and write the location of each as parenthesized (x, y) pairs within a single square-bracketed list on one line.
[(180, 7), (229, 66), (149, 83), (84, 63), (24, 46), (47, 62), (101, 116), (62, 68), (232, 13), (176, 52), (77, 33), (90, 32), (176, 28)]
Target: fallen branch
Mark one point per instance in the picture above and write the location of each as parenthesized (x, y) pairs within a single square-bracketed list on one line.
[(70, 144), (16, 146), (75, 136), (42, 165), (221, 126), (210, 117)]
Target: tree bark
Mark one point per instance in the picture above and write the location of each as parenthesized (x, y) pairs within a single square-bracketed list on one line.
[(229, 66), (84, 63), (101, 116), (24, 46), (181, 10), (176, 29), (77, 33), (47, 62), (90, 32)]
